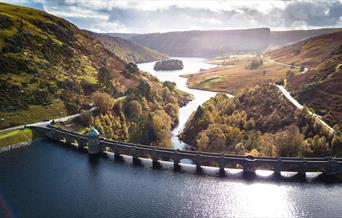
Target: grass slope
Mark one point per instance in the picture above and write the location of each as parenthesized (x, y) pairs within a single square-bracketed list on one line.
[(45, 59), (17, 136)]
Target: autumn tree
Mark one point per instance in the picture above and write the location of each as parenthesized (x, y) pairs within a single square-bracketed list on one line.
[(133, 108), (170, 85), (103, 101), (173, 111), (161, 127), (289, 142)]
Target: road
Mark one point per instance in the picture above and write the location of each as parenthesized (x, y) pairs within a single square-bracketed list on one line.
[(44, 123), (296, 103)]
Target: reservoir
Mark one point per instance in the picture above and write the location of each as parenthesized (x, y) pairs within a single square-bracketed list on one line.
[(51, 180)]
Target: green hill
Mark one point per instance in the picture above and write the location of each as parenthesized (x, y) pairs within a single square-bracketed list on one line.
[(50, 68), (127, 50)]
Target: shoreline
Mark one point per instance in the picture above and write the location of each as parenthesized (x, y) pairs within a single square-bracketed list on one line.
[(18, 145), (15, 146)]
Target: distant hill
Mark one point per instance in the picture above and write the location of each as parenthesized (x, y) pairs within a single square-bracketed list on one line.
[(204, 43), (213, 43), (127, 50), (320, 87), (281, 38)]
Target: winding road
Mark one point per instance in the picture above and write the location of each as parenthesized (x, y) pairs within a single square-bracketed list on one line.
[(295, 102)]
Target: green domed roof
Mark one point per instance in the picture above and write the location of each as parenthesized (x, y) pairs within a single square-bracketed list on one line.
[(93, 132)]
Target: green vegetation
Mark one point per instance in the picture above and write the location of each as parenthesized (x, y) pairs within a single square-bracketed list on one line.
[(17, 136), (50, 68), (145, 115), (33, 114), (260, 122)]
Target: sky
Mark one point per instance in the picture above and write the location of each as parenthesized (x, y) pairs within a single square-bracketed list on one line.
[(134, 16)]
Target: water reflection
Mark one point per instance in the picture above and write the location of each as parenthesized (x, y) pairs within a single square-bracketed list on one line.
[(77, 187)]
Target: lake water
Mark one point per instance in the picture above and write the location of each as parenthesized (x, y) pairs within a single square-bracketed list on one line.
[(51, 180)]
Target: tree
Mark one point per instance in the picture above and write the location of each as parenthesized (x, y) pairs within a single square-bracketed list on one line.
[(319, 146), (212, 139), (105, 79), (289, 142), (145, 90), (131, 69), (161, 127), (172, 110), (250, 125), (254, 64), (103, 101), (170, 85), (134, 108), (85, 118), (266, 145), (336, 145)]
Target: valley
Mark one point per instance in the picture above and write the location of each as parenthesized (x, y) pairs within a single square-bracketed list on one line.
[(170, 108)]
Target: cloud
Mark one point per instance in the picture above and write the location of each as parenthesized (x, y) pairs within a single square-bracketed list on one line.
[(168, 15)]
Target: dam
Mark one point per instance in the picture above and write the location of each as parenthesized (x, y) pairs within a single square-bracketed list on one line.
[(95, 145)]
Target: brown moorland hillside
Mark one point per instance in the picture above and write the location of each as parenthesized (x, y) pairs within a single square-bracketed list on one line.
[(319, 88), (282, 38), (237, 74)]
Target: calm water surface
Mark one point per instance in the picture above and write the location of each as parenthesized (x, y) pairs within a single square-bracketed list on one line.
[(50, 180)]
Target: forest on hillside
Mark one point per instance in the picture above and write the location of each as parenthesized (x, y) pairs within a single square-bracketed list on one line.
[(260, 122)]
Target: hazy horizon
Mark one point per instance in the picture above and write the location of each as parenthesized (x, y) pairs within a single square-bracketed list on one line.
[(150, 16)]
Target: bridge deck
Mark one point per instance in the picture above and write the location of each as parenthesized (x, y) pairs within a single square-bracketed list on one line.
[(248, 163)]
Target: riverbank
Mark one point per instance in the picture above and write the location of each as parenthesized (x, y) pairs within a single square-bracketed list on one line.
[(17, 138)]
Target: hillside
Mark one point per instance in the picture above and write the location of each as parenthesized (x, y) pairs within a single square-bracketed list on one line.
[(237, 73), (320, 87), (127, 50), (204, 43), (282, 38), (50, 68), (212, 43), (259, 121)]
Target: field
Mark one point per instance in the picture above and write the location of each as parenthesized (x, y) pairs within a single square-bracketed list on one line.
[(238, 73), (17, 136), (33, 114)]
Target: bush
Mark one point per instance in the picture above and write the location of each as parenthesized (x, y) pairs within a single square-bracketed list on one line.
[(170, 85), (85, 118), (254, 64)]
